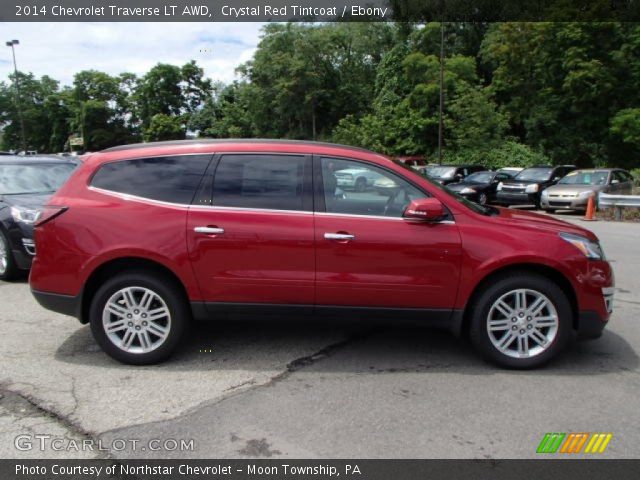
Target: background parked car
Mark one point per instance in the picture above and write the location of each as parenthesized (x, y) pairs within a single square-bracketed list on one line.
[(414, 161), (25, 186), (572, 192), (358, 179), (526, 187), (512, 171), (446, 174), (479, 187)]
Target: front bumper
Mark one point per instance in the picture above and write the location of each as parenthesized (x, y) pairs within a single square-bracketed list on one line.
[(508, 198), (564, 203)]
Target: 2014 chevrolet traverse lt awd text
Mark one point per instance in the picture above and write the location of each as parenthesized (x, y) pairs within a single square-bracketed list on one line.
[(144, 238)]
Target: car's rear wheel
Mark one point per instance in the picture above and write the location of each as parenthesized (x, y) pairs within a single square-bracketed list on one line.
[(8, 267), (521, 321), (139, 318)]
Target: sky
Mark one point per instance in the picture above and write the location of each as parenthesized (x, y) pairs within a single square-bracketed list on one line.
[(62, 49)]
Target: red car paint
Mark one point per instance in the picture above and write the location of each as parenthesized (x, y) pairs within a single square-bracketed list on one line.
[(281, 257)]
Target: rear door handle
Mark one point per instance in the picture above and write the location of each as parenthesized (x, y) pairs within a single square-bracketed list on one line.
[(339, 236), (209, 230)]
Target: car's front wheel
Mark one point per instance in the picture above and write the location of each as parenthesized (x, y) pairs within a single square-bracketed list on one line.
[(8, 267), (521, 321), (139, 318)]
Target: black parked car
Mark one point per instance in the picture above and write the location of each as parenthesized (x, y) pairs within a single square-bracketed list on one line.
[(480, 187), (26, 183), (446, 174), (526, 187)]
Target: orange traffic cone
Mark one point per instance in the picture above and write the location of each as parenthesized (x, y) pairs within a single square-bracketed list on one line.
[(590, 214)]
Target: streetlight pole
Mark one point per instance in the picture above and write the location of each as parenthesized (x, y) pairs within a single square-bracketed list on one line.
[(12, 44), (440, 119)]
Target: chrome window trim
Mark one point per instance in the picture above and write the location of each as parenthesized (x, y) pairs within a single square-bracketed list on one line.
[(135, 198)]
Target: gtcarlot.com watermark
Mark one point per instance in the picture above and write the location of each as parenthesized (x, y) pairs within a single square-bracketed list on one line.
[(44, 442)]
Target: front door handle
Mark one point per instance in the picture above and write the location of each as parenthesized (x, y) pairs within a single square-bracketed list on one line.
[(209, 230), (344, 237)]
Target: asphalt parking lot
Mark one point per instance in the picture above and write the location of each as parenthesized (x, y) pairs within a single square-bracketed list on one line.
[(307, 391)]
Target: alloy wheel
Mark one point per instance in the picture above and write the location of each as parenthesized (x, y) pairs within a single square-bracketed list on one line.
[(522, 323), (136, 320)]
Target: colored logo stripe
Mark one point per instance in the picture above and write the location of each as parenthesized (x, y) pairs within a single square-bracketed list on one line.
[(574, 442), (550, 442)]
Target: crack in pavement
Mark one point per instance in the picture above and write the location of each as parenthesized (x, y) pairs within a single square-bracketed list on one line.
[(291, 367), (57, 417)]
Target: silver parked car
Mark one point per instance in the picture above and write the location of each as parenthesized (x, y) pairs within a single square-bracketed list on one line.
[(572, 192), (358, 179)]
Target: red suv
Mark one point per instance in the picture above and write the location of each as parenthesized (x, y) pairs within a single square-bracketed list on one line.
[(144, 238)]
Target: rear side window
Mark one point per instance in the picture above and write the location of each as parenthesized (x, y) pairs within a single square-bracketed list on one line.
[(260, 181), (168, 179)]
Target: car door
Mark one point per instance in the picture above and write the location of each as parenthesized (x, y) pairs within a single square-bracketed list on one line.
[(250, 234), (367, 255)]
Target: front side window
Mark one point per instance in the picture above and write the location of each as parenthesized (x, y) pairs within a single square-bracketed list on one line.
[(355, 188), (167, 179), (260, 181)]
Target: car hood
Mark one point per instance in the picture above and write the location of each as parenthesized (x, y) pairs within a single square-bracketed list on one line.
[(30, 200), (533, 220), (567, 189)]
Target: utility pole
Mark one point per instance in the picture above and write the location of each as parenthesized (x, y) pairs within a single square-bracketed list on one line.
[(12, 44), (440, 119)]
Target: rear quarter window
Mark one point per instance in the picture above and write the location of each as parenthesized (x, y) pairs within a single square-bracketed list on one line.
[(168, 179)]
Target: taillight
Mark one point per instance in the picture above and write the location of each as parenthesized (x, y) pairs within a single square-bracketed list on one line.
[(48, 213)]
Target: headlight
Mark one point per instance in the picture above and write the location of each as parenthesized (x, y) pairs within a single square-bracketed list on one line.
[(545, 193), (590, 249), (532, 188), (25, 215), (586, 194), (499, 187), (467, 190)]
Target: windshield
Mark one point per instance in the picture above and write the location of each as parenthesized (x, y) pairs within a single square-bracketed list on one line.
[(535, 174), (33, 178), (480, 177), (585, 178), (441, 172)]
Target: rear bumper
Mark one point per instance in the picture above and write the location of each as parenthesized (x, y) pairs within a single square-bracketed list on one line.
[(59, 303)]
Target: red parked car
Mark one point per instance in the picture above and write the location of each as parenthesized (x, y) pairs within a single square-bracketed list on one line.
[(144, 238)]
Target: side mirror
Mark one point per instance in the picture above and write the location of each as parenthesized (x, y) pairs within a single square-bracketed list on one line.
[(427, 209)]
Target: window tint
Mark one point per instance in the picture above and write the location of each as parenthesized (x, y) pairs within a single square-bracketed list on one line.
[(33, 178), (260, 181), (168, 179), (356, 188)]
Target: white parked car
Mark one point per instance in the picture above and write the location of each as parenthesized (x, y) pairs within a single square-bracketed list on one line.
[(358, 179)]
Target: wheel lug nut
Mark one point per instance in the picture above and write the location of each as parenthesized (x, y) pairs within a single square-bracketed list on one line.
[(137, 327), (521, 314), (144, 315), (514, 328), (128, 315), (136, 311), (144, 324), (529, 327), (514, 319), (521, 331), (529, 319), (130, 324)]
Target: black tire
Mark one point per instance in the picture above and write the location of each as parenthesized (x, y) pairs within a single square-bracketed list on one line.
[(167, 290), (11, 269), (481, 307), (361, 184)]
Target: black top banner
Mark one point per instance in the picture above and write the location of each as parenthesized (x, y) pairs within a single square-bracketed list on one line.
[(318, 10)]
